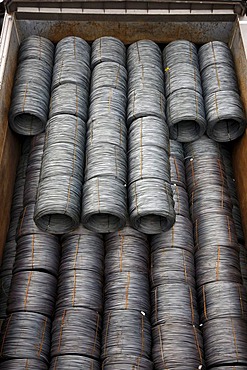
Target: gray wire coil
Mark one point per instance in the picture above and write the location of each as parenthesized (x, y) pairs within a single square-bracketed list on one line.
[(23, 364), (108, 49), (176, 150), (107, 100), (243, 263), (5, 282), (127, 291), (177, 171), (222, 299), (32, 291), (148, 131), (25, 335), (146, 215), (126, 333), (241, 367), (186, 115), (109, 74), (27, 226), (172, 265), (225, 116), (217, 263), (219, 77), (182, 76), (8, 258), (126, 363), (177, 346), (214, 52), (181, 202), (69, 98), (145, 102), (81, 323), (36, 252), (203, 147), (30, 98), (74, 362), (36, 47), (143, 52), (105, 160), (71, 71), (225, 347), (79, 289), (73, 48), (104, 205), (107, 129), (180, 51), (165, 307), (180, 236), (146, 76)]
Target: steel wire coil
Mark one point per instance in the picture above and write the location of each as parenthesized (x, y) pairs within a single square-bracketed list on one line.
[(107, 129), (108, 49), (225, 116), (217, 263), (104, 204), (225, 342), (25, 335), (80, 289), (24, 364), (32, 291), (58, 205), (8, 258), (179, 236), (126, 333), (177, 345), (37, 252), (106, 160), (180, 51), (109, 74), (173, 265), (177, 172), (148, 131), (146, 76), (145, 102), (148, 162), (34, 72), (182, 76), (202, 147), (27, 226), (143, 52), (219, 77), (241, 367), (74, 362), (181, 202), (174, 302), (17, 199), (147, 215), (217, 229), (76, 332), (124, 362), (73, 72), (214, 52), (73, 48), (36, 47), (127, 291), (126, 251), (107, 100), (186, 115), (69, 99), (243, 263), (176, 150), (14, 222), (5, 282), (84, 251), (222, 299)]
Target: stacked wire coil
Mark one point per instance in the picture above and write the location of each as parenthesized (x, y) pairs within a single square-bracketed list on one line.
[(148, 141), (173, 287), (104, 204), (31, 93), (222, 297), (185, 106), (76, 329), (224, 110), (58, 205), (126, 336)]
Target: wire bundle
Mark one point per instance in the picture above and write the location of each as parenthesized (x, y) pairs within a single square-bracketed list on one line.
[(222, 297), (24, 364), (77, 324), (126, 337), (148, 141), (185, 106), (223, 104), (104, 205), (31, 93), (175, 318)]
